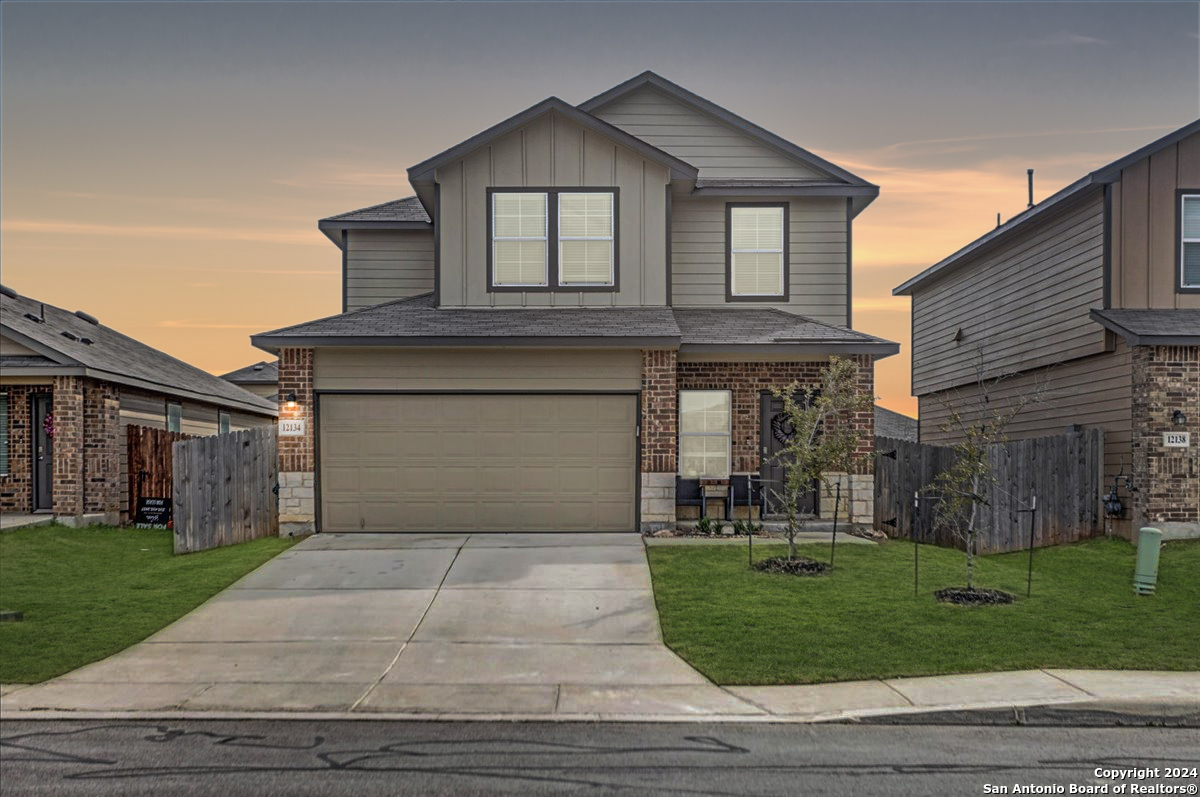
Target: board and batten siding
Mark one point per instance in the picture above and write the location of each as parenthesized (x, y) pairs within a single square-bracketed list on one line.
[(1094, 391), (816, 251), (552, 151), (497, 369), (1021, 305), (1144, 215), (716, 149), (384, 265)]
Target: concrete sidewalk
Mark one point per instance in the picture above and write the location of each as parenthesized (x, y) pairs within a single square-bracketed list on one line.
[(529, 627)]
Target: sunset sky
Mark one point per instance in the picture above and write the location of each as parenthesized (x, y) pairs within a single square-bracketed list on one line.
[(163, 165)]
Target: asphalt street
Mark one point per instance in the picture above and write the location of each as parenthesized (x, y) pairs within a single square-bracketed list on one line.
[(363, 758)]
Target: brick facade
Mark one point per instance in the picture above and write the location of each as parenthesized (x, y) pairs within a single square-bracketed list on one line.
[(659, 411), (68, 446), (1166, 379), (17, 486), (297, 454), (102, 444)]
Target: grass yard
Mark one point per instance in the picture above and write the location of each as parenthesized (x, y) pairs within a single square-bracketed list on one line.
[(738, 626), (89, 593)]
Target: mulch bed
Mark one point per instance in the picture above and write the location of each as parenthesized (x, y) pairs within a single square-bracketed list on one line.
[(800, 566), (973, 597)]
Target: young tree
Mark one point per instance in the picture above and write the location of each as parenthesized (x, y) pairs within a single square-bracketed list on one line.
[(824, 437), (978, 424)]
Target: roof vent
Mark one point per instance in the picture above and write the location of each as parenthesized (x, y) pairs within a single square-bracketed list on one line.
[(69, 335), (86, 341), (35, 319), (7, 291), (258, 367), (91, 319)]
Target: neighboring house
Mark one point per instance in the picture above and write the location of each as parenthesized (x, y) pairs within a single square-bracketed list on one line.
[(70, 386), (894, 425), (577, 318), (1092, 296), (261, 379)]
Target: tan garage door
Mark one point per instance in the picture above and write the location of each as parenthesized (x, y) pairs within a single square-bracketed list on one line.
[(477, 462)]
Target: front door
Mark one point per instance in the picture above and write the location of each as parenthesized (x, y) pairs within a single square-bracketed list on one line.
[(43, 453), (774, 434)]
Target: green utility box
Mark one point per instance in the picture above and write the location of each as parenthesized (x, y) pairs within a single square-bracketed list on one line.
[(1146, 574)]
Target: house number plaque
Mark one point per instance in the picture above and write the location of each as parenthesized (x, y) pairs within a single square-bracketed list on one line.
[(291, 428), (1176, 439)]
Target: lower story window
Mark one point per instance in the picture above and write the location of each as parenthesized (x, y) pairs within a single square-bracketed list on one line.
[(704, 434), (3, 434), (174, 417), (222, 422)]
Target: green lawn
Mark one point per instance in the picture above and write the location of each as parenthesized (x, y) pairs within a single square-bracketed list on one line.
[(89, 593), (862, 621)]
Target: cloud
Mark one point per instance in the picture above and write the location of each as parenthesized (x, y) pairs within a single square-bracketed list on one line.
[(1063, 39), (59, 227), (202, 325), (371, 179)]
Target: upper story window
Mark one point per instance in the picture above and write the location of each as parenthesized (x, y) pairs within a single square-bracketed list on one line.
[(757, 252), (1189, 241), (552, 240)]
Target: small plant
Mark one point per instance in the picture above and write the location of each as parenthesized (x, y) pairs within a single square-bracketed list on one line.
[(707, 525), (746, 527)]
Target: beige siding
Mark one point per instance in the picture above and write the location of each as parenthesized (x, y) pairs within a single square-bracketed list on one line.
[(1145, 214), (816, 250), (262, 391), (553, 152), (383, 265), (1020, 306), (717, 150), (11, 347), (476, 369), (1094, 391)]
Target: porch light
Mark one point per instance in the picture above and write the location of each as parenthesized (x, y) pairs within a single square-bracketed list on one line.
[(1178, 418), (291, 401)]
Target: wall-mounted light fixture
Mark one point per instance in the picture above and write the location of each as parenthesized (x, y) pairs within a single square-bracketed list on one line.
[(291, 401), (1178, 418)]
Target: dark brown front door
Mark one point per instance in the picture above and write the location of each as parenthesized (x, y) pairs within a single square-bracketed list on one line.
[(774, 433), (43, 453)]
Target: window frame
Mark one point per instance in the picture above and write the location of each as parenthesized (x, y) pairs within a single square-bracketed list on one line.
[(680, 434), (553, 240), (171, 404), (1181, 196), (776, 298), (4, 420)]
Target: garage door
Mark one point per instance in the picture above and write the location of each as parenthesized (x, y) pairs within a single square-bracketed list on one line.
[(477, 462)]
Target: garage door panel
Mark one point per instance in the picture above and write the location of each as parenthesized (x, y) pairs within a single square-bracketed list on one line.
[(478, 462)]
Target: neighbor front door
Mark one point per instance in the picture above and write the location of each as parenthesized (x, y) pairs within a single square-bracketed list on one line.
[(774, 434), (43, 453)]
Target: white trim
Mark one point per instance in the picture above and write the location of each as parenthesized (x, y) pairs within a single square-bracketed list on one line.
[(611, 238), (545, 239), (680, 434), (1184, 240)]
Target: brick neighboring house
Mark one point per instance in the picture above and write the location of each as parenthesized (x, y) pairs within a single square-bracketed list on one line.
[(1092, 296), (574, 325), (70, 386)]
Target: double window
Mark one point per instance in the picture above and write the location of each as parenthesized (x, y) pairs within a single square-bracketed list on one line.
[(1189, 241), (756, 255), (552, 239), (704, 433)]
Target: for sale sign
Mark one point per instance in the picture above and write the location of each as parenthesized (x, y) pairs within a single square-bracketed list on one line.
[(153, 513)]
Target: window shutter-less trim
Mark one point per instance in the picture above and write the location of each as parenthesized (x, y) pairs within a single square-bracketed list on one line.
[(3, 434), (1189, 245), (585, 236), (519, 238), (757, 241), (704, 433)]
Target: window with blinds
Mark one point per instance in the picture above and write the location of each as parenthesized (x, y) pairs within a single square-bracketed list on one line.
[(553, 240), (585, 239), (704, 434), (519, 240), (3, 434), (1189, 244), (757, 251)]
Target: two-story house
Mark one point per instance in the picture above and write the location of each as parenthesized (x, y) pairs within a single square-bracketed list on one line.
[(576, 319), (1091, 298)]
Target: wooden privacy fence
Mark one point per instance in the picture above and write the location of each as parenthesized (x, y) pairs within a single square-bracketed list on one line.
[(1064, 471), (148, 457), (224, 489)]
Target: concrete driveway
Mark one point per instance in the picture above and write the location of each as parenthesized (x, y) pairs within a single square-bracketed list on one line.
[(536, 624)]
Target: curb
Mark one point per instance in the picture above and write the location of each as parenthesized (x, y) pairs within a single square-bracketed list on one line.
[(1097, 714)]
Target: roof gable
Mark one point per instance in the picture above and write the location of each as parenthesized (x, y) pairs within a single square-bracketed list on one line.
[(616, 103), (423, 172)]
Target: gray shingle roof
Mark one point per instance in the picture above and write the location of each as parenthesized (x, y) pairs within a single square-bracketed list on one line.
[(1152, 327), (894, 424), (111, 353), (262, 373), (407, 209), (417, 320)]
